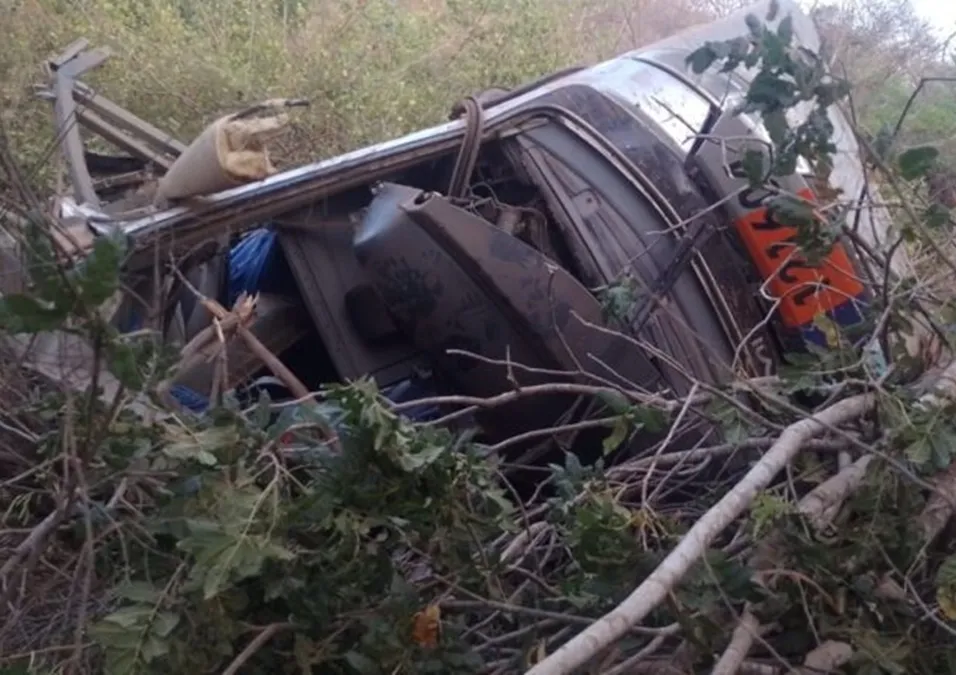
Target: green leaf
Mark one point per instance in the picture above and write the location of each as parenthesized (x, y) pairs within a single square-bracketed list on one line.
[(936, 216), (153, 648), (44, 268), (785, 30), (886, 653), (946, 574), (754, 165), (776, 122), (572, 465), (164, 623), (701, 59), (15, 670), (916, 162), (127, 363), (619, 300), (139, 591), (21, 313), (789, 210), (125, 662), (202, 446), (98, 275), (135, 635), (262, 414), (362, 664), (615, 401), (944, 443), (223, 557), (130, 616), (765, 510), (773, 10), (920, 452), (617, 436), (946, 587), (730, 420), (883, 142), (652, 419), (421, 458)]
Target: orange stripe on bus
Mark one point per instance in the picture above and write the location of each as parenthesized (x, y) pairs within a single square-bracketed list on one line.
[(803, 291)]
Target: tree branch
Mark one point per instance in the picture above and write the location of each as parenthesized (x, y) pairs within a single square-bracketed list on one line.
[(662, 580), (264, 636), (740, 644)]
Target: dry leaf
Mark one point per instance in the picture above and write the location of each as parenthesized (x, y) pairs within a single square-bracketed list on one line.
[(946, 597), (426, 627)]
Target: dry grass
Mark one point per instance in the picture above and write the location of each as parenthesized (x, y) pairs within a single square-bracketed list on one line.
[(372, 68)]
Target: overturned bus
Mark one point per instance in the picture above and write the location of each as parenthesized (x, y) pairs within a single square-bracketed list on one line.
[(484, 254)]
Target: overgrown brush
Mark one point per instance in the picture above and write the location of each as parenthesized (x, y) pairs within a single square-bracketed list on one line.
[(337, 536), (372, 69)]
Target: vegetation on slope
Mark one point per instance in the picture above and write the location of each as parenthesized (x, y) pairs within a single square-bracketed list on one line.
[(339, 537)]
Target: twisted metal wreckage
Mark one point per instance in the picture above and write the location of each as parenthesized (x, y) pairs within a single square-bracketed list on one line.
[(440, 261)]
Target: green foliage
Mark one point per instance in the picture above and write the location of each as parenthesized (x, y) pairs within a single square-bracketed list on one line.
[(785, 78), (766, 512), (946, 587), (620, 300), (928, 120), (734, 424), (312, 549), (315, 547), (916, 162), (872, 537), (928, 438), (58, 294), (336, 547), (136, 635), (371, 69)]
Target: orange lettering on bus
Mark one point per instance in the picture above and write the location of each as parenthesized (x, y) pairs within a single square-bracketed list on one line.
[(804, 290)]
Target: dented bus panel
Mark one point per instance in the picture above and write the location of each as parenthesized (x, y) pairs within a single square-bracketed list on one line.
[(436, 261), (800, 291)]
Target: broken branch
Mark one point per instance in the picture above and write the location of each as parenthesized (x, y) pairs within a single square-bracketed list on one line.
[(662, 580), (740, 644)]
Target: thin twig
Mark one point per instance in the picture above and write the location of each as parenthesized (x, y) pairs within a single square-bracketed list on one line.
[(264, 636)]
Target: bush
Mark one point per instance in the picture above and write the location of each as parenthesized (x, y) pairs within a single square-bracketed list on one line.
[(372, 69), (340, 537)]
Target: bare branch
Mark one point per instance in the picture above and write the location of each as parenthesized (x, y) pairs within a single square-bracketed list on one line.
[(263, 637), (662, 581), (740, 644), (826, 658)]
